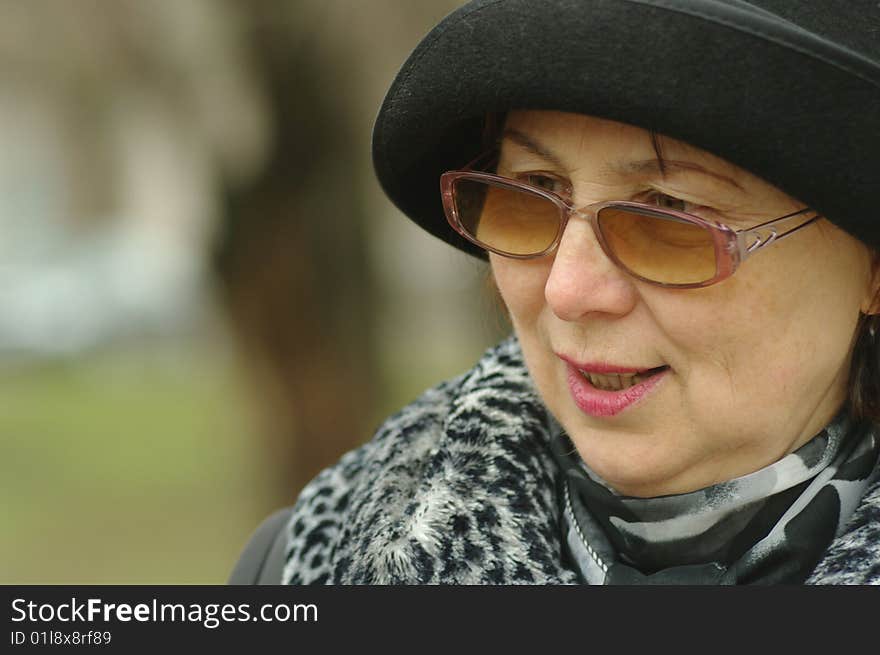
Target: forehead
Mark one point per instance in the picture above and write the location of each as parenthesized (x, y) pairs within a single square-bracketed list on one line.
[(578, 138)]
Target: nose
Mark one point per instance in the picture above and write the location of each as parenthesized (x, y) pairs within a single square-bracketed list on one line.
[(583, 280)]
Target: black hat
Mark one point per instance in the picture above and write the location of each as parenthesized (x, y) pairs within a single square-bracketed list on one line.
[(786, 89)]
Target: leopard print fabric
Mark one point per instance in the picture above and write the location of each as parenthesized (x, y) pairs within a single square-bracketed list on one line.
[(459, 487)]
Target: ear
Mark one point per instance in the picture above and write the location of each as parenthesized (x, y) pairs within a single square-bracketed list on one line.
[(871, 304)]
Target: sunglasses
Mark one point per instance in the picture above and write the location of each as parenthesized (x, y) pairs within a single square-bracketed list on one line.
[(665, 247)]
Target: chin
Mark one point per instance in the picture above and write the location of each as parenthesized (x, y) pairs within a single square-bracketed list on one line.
[(636, 464)]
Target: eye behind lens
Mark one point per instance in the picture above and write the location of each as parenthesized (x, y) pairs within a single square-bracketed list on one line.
[(657, 247), (506, 218)]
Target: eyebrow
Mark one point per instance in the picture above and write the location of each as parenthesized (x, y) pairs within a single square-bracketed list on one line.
[(527, 143), (654, 166), (639, 167)]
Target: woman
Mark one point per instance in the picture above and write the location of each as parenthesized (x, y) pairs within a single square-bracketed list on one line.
[(676, 199)]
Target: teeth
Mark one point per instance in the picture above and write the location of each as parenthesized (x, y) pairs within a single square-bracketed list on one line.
[(613, 382)]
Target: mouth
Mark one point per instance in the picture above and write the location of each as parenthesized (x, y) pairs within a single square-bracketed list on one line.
[(604, 390)]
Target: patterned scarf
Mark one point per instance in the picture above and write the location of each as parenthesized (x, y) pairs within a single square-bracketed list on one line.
[(770, 526), (461, 487)]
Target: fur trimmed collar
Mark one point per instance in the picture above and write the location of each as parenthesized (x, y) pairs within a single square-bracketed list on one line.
[(459, 487)]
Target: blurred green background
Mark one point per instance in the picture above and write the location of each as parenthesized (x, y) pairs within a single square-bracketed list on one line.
[(204, 296)]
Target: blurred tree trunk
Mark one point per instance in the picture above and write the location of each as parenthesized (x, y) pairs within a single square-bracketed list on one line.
[(291, 255)]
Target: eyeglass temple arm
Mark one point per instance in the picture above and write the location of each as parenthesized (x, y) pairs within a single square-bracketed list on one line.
[(754, 239)]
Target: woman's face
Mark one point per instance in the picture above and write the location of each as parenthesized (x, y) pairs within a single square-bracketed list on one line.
[(757, 364)]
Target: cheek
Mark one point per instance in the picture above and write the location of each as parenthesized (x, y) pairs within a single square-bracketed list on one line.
[(521, 285), (762, 337)]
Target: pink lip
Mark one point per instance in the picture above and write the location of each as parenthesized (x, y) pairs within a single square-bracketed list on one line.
[(603, 368), (600, 403)]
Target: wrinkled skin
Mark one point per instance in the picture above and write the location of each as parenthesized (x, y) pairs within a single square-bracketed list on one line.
[(758, 363)]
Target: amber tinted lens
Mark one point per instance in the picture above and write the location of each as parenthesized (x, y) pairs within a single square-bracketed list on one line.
[(511, 220), (659, 248)]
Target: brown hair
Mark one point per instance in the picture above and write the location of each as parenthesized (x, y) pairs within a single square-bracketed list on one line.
[(863, 386)]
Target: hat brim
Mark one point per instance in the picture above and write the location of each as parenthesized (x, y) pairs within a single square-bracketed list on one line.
[(777, 100)]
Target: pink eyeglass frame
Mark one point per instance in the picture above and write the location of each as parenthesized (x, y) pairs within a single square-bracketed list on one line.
[(732, 247)]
